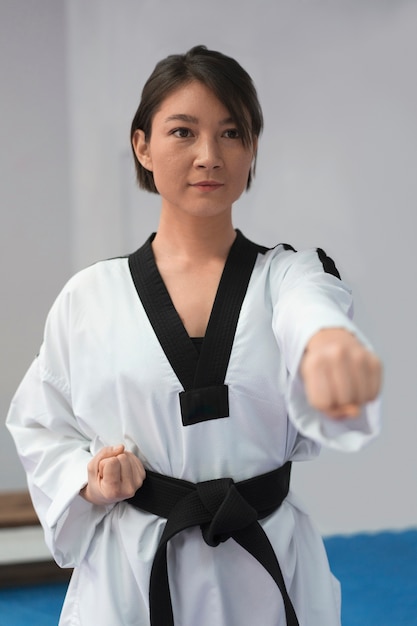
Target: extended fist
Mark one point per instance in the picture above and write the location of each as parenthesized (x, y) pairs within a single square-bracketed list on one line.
[(339, 373), (113, 475)]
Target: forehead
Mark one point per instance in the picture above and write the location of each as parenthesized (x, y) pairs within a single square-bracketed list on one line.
[(194, 99)]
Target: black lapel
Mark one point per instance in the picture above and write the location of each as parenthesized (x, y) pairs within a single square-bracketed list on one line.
[(205, 395), (162, 315)]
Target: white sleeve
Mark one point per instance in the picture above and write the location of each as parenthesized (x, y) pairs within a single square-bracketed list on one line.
[(52, 447), (307, 299)]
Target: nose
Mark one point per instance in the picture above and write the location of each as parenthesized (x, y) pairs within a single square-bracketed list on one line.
[(208, 154)]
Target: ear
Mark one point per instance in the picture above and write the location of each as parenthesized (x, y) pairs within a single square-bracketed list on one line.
[(141, 149)]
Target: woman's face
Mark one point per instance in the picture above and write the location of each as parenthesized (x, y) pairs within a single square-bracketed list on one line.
[(199, 163)]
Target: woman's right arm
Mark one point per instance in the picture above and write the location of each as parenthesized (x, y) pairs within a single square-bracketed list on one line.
[(71, 479), (55, 456)]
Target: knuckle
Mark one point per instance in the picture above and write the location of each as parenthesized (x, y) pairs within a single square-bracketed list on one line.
[(111, 493), (317, 357), (111, 484), (360, 358), (130, 491)]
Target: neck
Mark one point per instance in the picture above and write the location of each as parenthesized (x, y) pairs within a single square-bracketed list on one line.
[(196, 239)]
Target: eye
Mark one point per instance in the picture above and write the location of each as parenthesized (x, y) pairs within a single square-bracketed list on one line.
[(182, 133), (231, 133)]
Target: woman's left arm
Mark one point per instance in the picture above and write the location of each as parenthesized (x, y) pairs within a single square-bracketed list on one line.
[(333, 373)]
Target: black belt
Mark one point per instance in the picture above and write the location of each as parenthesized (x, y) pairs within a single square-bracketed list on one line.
[(222, 509)]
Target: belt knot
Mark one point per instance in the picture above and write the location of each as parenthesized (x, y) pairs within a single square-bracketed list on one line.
[(229, 510)]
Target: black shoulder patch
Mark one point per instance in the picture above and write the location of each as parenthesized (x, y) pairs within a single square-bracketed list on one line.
[(328, 263), (287, 246)]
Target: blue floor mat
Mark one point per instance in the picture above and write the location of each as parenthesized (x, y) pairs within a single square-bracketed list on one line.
[(38, 605), (378, 573)]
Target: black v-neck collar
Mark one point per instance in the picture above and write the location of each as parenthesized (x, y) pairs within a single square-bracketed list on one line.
[(202, 377)]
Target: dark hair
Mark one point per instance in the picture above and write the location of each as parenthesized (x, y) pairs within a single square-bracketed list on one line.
[(231, 84)]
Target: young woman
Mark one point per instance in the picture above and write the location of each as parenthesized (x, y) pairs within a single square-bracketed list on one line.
[(175, 387)]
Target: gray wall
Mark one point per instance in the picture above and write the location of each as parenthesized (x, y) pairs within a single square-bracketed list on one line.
[(35, 241), (336, 169)]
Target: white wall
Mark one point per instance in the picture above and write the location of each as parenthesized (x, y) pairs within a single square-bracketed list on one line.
[(336, 168)]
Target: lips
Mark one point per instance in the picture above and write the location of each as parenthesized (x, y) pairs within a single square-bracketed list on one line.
[(207, 185)]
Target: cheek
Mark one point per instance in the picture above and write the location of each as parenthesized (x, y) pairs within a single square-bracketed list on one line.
[(166, 172), (164, 164)]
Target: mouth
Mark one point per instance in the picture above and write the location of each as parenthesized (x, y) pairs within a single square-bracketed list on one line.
[(207, 185)]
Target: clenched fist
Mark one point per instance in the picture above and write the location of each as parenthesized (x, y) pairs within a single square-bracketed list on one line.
[(113, 475), (339, 373)]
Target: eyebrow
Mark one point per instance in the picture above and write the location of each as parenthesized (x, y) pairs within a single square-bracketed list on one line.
[(182, 117)]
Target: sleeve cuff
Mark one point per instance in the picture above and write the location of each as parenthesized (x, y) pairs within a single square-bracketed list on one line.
[(348, 435)]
